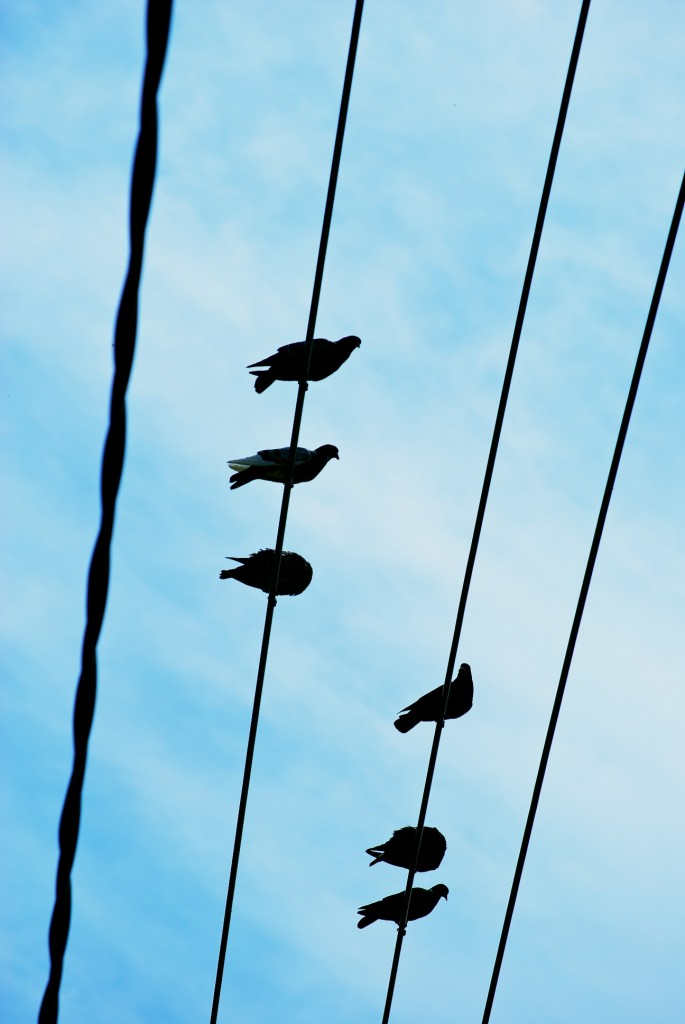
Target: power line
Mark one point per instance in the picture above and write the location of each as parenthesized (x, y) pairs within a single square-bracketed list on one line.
[(585, 586), (480, 515), (297, 419), (142, 182)]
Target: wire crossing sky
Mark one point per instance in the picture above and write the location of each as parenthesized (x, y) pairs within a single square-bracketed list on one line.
[(445, 152), (290, 469), (485, 490), (582, 598)]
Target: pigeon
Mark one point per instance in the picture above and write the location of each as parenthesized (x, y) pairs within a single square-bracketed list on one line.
[(427, 708), (271, 463), (422, 901), (257, 571), (288, 362), (400, 849)]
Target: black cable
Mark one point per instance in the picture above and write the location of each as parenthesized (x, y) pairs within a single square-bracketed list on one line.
[(297, 419), (142, 181), (480, 515), (585, 586)]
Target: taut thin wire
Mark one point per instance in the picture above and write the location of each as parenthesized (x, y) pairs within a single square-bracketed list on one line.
[(142, 182), (480, 515), (585, 587), (280, 536)]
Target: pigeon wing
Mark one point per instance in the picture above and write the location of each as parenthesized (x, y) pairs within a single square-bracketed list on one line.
[(428, 704), (279, 456), (283, 353), (270, 458)]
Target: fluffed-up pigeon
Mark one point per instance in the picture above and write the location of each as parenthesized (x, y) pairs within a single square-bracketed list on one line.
[(257, 570), (427, 708), (421, 903), (271, 463), (288, 362), (401, 848)]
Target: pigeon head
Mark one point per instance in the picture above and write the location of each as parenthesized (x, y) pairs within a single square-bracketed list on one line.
[(351, 341), (328, 451), (440, 890)]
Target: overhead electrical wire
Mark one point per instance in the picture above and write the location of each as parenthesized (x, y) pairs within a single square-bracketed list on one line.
[(142, 182), (280, 536), (584, 589), (480, 515)]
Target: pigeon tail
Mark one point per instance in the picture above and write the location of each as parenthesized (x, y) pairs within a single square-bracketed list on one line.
[(243, 477), (263, 380), (377, 852), (364, 922), (407, 721)]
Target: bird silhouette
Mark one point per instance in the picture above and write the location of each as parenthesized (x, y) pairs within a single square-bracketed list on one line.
[(288, 362), (427, 708), (271, 463), (421, 902), (400, 849), (257, 571)]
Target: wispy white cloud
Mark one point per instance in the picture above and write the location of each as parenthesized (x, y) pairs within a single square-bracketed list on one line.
[(450, 124)]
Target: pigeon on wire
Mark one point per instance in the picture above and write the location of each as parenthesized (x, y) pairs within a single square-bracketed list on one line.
[(288, 363), (427, 708), (400, 849), (421, 902), (257, 571), (271, 464)]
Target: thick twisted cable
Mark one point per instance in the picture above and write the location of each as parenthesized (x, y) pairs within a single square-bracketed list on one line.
[(480, 515), (280, 535), (142, 181), (584, 589)]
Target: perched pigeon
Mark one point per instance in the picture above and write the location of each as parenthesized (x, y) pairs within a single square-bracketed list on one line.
[(401, 848), (271, 463), (257, 571), (422, 901), (427, 708), (288, 362)]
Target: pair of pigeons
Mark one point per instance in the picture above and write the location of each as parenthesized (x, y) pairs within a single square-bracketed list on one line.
[(288, 363), (400, 850)]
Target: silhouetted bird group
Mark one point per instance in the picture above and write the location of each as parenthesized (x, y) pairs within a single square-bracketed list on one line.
[(405, 848), (288, 363)]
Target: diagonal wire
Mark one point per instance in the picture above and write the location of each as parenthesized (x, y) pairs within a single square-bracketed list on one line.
[(280, 536), (142, 181), (585, 586), (480, 515)]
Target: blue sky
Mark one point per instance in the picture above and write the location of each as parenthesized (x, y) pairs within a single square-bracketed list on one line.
[(452, 115)]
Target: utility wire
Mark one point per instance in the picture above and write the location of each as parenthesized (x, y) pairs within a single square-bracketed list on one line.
[(297, 419), (480, 515), (142, 181), (585, 587)]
